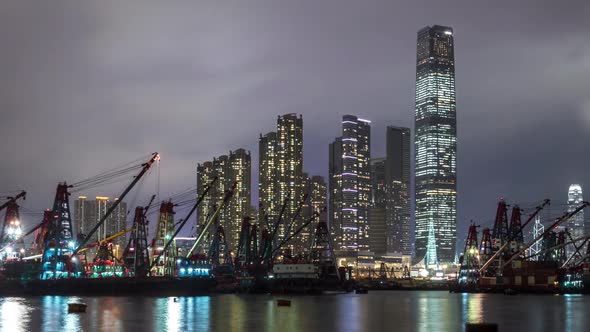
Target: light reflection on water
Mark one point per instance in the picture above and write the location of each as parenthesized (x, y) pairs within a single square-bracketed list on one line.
[(376, 311)]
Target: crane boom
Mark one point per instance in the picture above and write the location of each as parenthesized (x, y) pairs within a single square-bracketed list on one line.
[(199, 200), (22, 194), (228, 195), (305, 224), (155, 157), (107, 239), (497, 253), (557, 222)]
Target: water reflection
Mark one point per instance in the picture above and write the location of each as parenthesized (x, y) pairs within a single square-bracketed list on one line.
[(399, 311), (72, 322), (437, 311), (14, 312), (51, 315), (472, 308)]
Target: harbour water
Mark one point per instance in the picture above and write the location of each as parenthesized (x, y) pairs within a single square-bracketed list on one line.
[(376, 311)]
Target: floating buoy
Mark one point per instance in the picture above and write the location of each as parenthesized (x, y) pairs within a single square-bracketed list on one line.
[(284, 303), (76, 307)]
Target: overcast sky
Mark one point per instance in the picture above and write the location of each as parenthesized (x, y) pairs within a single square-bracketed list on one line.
[(88, 85)]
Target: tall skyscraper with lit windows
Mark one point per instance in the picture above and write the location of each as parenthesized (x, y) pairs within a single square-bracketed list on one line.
[(575, 225), (234, 167), (281, 173), (350, 180), (436, 143)]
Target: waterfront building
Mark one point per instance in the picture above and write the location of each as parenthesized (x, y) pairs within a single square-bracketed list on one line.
[(435, 144), (350, 178)]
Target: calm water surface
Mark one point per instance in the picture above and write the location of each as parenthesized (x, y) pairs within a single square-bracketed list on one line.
[(376, 311)]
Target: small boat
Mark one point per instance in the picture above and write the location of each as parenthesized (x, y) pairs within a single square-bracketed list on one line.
[(510, 291), (76, 307), (283, 303), (361, 291)]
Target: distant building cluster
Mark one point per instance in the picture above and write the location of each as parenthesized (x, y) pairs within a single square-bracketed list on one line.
[(88, 212), (368, 198)]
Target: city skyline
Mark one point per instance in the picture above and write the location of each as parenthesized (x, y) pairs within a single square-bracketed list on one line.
[(303, 165), (72, 97)]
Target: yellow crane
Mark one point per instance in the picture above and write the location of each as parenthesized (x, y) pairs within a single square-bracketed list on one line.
[(112, 237)]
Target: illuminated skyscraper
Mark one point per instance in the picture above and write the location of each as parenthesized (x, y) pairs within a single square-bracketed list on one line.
[(350, 177), (436, 143), (335, 188), (267, 175), (281, 171), (318, 196), (235, 167), (218, 167), (315, 187), (575, 225), (239, 206)]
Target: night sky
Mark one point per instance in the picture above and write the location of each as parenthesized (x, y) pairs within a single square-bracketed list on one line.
[(89, 85)]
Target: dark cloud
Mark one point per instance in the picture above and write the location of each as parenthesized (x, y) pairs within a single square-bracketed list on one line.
[(90, 85)]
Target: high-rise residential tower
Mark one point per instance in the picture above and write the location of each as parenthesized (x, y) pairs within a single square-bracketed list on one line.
[(267, 176), (436, 143), (87, 213), (234, 167), (397, 184), (350, 177), (335, 189), (281, 172)]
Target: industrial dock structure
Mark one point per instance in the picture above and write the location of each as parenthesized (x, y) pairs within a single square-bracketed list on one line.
[(503, 262)]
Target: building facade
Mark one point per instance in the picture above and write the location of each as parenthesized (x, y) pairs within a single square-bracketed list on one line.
[(315, 188), (397, 186), (378, 210), (350, 175), (87, 213), (436, 143), (281, 175), (335, 189), (229, 169)]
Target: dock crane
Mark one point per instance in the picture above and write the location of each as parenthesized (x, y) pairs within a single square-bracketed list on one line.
[(507, 243), (11, 219)]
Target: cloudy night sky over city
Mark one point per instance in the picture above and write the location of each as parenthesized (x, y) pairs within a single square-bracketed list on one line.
[(89, 85)]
